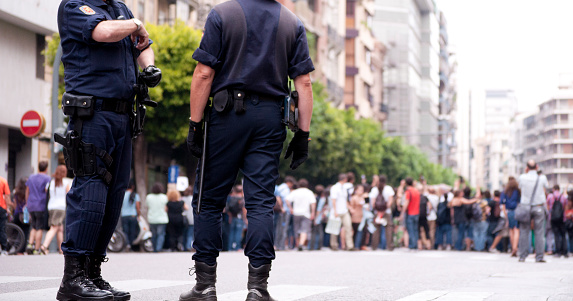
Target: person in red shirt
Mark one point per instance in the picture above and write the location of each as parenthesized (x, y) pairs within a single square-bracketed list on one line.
[(4, 203), (412, 213)]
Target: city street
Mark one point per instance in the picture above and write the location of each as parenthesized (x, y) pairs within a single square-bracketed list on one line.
[(317, 275)]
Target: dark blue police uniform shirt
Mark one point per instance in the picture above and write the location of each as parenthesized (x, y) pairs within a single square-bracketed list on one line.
[(104, 70), (265, 45)]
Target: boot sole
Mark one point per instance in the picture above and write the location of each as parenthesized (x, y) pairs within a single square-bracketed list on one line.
[(206, 298), (74, 297)]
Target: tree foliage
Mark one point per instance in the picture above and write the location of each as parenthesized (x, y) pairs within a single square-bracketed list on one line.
[(342, 143)]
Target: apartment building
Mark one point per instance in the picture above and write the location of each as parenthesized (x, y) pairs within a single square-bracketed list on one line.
[(363, 88), (548, 137), (24, 25), (410, 30)]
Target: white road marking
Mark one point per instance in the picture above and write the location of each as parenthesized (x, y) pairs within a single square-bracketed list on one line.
[(14, 279), (447, 296), (284, 292), (128, 285), (423, 296)]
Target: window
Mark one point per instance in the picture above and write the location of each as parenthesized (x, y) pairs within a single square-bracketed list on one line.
[(40, 59), (350, 7)]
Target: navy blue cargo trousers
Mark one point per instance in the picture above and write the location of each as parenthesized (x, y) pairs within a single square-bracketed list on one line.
[(251, 142), (92, 207)]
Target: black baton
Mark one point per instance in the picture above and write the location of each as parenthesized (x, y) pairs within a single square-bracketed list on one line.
[(202, 162)]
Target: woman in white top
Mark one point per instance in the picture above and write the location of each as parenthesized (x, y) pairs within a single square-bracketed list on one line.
[(157, 215), (57, 188)]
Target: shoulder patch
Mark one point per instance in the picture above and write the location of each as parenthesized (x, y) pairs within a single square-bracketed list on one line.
[(87, 10)]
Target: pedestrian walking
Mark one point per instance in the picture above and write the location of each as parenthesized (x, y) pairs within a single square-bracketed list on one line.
[(130, 211), (556, 204), (509, 200), (102, 44), (190, 228), (303, 203), (157, 216), (176, 224), (411, 213), (384, 220), (433, 201), (339, 209), (248, 51), (444, 220), (283, 223), (320, 218), (21, 215), (36, 204), (57, 190), (532, 187), (5, 202)]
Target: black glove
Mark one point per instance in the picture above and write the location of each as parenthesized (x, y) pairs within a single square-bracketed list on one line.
[(298, 147), (195, 139), (151, 76)]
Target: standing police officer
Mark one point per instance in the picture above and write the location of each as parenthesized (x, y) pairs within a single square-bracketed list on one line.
[(101, 42), (249, 50)]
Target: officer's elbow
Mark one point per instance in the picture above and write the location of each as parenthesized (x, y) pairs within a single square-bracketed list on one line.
[(303, 82), (102, 33), (203, 72)]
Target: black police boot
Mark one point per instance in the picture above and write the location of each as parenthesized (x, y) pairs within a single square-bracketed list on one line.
[(204, 289), (257, 284), (93, 269), (77, 286)]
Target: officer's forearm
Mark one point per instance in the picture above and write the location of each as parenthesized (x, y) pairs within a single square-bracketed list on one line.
[(200, 90), (146, 58), (303, 85), (113, 31)]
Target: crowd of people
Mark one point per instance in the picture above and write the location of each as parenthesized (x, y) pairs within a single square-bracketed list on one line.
[(346, 215)]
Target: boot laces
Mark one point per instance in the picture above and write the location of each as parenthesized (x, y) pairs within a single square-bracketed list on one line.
[(192, 271)]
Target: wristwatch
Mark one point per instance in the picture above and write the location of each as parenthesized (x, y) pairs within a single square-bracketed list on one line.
[(137, 22)]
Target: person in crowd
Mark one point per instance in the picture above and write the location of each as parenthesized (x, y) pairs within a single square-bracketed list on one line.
[(235, 211), (383, 218), (21, 215), (569, 219), (423, 227), (444, 220), (130, 211), (461, 221), (468, 211), (5, 202), (357, 202), (510, 197), (401, 229), (176, 223), (339, 208), (348, 187), (496, 221), (480, 223), (532, 186), (303, 203), (188, 234), (320, 218), (433, 200), (411, 213), (36, 204), (57, 190), (157, 215), (282, 192), (557, 220)]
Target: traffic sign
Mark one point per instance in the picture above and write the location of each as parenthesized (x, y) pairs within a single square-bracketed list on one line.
[(32, 124)]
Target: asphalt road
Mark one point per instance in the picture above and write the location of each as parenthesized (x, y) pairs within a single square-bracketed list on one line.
[(316, 275)]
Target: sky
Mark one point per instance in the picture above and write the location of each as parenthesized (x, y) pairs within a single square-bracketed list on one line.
[(523, 45)]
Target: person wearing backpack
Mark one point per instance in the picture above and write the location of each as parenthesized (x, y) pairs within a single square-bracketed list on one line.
[(556, 203), (444, 220)]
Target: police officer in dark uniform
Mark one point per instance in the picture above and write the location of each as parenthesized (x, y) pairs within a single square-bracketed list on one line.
[(101, 41), (248, 51)]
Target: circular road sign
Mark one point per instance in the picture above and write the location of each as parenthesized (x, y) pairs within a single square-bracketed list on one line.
[(32, 124)]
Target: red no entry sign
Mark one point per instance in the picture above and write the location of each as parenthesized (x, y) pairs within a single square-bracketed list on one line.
[(32, 124)]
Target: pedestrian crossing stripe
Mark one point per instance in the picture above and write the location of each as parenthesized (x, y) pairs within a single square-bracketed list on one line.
[(284, 292), (447, 296), (15, 279)]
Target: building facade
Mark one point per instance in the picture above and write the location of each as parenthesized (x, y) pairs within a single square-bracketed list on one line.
[(548, 137), (410, 30), (24, 26)]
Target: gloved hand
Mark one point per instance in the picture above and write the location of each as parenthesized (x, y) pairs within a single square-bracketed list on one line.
[(298, 147), (151, 76), (195, 139)]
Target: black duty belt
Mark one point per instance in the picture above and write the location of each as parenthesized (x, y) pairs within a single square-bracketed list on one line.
[(117, 106)]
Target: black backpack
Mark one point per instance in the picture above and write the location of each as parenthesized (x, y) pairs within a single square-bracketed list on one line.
[(423, 207), (443, 212), (557, 211), (235, 205), (380, 205)]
